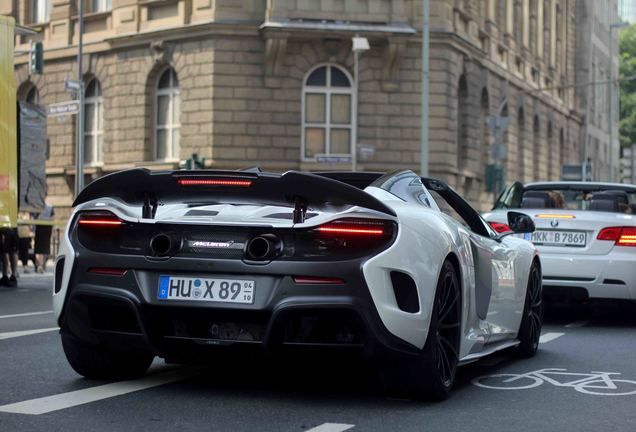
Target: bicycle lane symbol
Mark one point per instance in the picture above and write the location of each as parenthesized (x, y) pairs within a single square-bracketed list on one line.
[(593, 383)]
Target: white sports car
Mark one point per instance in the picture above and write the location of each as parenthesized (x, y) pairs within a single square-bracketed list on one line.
[(183, 264), (586, 234)]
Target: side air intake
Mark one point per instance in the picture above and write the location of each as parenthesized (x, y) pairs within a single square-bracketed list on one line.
[(405, 292)]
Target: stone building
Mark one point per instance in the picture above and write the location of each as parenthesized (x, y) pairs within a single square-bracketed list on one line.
[(270, 83), (598, 24)]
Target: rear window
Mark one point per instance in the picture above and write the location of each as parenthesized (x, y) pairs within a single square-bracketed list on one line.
[(612, 200)]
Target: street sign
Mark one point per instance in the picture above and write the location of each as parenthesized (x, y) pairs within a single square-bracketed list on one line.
[(328, 159), (63, 108), (366, 151), (498, 126), (72, 85)]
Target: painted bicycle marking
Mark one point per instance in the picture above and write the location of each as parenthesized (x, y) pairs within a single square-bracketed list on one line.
[(593, 383)]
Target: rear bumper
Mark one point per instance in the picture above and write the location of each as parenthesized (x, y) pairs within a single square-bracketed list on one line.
[(611, 276), (123, 312)]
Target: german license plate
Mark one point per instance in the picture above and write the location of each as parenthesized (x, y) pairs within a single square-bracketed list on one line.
[(559, 238), (206, 289)]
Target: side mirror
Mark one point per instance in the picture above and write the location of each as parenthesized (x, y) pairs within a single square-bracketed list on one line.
[(520, 222)]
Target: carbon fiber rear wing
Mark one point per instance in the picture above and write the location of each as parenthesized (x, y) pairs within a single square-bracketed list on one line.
[(295, 189)]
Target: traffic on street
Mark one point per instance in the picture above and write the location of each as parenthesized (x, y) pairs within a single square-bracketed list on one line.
[(583, 378)]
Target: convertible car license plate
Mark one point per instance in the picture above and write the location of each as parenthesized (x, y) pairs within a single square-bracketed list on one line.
[(206, 289), (559, 238)]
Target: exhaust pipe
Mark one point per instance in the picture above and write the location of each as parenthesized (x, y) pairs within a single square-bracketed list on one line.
[(264, 247), (163, 245)]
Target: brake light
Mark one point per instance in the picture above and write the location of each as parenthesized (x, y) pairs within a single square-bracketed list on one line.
[(353, 227), (106, 271), (500, 227), (554, 216), (621, 236), (215, 182), (310, 280), (99, 220)]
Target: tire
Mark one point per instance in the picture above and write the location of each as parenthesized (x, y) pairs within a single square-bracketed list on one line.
[(98, 362), (430, 375), (532, 319)]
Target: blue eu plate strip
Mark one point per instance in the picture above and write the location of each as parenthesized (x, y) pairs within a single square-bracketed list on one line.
[(164, 282)]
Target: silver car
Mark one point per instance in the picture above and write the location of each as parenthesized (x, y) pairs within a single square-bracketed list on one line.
[(585, 233)]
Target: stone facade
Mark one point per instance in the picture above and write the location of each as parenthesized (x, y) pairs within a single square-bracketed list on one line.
[(598, 29), (242, 64)]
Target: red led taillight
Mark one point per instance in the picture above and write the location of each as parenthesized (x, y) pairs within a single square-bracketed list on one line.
[(353, 227), (99, 220), (500, 227), (215, 182), (313, 280), (621, 236), (106, 271)]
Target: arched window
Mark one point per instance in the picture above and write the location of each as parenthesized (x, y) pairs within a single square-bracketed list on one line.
[(40, 11), (463, 112), (536, 149), (521, 144), (167, 116), (327, 113), (32, 96), (93, 122)]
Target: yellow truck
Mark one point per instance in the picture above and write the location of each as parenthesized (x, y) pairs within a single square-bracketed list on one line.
[(8, 128)]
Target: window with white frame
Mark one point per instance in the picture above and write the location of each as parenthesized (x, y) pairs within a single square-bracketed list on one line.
[(93, 123), (327, 113), (40, 11), (167, 116), (101, 5)]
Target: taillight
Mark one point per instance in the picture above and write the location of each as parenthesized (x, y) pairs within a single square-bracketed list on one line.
[(345, 238), (621, 236), (500, 227), (99, 219), (353, 227), (215, 182)]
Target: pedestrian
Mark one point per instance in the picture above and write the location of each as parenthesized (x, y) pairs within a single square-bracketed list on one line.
[(43, 239), (9, 256), (24, 243)]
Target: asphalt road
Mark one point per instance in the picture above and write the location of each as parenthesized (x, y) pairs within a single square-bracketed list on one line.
[(326, 397)]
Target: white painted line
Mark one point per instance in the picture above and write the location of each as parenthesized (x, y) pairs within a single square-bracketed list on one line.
[(548, 337), (15, 334), (331, 427), (92, 394), (26, 314), (577, 324)]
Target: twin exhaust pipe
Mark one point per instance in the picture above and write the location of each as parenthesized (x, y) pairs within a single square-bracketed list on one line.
[(262, 247)]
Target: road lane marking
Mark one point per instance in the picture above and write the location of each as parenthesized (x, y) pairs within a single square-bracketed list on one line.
[(15, 334), (62, 401), (548, 337), (26, 314), (331, 427), (577, 324)]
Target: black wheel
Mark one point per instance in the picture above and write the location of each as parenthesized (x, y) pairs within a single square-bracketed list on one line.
[(431, 374), (532, 320), (97, 362)]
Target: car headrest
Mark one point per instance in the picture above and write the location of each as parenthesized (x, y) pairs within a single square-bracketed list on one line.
[(603, 202), (619, 194), (538, 203)]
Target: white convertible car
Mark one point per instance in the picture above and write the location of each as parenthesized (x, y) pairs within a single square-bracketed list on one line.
[(586, 234), (185, 264)]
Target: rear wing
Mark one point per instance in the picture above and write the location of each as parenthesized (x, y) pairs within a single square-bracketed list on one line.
[(295, 189)]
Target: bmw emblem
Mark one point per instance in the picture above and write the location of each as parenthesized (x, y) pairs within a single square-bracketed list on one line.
[(554, 223)]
